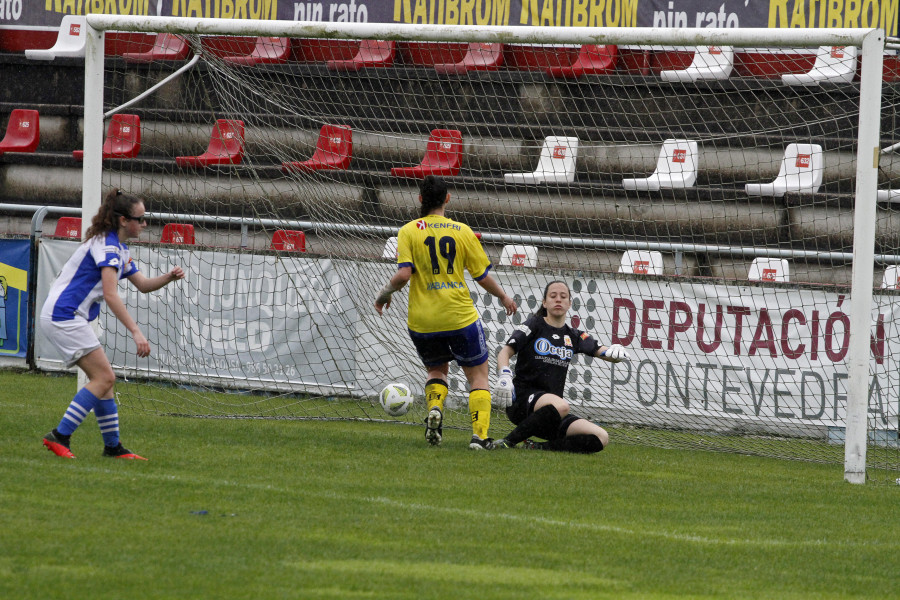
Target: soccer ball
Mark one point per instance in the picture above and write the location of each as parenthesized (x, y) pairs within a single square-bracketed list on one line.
[(395, 399)]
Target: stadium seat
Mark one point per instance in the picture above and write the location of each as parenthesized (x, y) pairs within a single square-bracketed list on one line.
[(710, 62), (266, 50), (769, 269), (68, 227), (123, 138), (166, 46), (334, 148), (642, 262), (676, 168), (226, 146), (556, 165), (289, 240), (23, 132), (372, 53), (591, 60), (479, 57), (836, 64), (891, 279), (519, 256), (390, 249), (443, 156), (889, 195), (69, 42), (178, 233), (800, 172)]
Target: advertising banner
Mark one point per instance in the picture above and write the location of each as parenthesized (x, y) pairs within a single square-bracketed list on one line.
[(744, 357), (14, 256), (563, 13)]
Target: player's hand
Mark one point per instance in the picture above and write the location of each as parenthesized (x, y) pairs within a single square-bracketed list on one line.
[(615, 353), (176, 274), (503, 389), (510, 305), (143, 346)]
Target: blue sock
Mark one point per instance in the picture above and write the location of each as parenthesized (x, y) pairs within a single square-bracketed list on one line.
[(108, 420), (83, 402)]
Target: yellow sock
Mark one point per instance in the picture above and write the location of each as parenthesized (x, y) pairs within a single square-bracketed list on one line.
[(480, 409), (435, 392)]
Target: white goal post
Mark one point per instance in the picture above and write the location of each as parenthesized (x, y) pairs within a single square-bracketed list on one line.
[(871, 43)]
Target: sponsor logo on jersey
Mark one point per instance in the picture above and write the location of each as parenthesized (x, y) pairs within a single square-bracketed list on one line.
[(421, 224), (567, 340), (543, 347), (445, 285), (555, 337), (113, 262), (584, 335), (524, 329)]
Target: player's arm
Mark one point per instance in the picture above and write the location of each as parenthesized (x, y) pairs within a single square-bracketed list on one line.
[(614, 353), (146, 284), (493, 287), (109, 276), (395, 284)]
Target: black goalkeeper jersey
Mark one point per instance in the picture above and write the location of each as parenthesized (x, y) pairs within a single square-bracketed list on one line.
[(544, 353)]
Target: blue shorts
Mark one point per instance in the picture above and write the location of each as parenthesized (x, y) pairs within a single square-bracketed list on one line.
[(467, 346)]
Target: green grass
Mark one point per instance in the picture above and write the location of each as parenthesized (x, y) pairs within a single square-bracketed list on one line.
[(303, 509)]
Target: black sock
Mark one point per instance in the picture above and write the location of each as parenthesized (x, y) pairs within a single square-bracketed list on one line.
[(582, 443), (544, 422), (62, 438)]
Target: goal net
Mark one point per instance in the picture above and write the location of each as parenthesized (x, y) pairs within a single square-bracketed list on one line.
[(700, 195)]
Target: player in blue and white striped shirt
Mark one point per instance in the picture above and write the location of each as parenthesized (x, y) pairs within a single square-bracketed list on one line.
[(91, 275)]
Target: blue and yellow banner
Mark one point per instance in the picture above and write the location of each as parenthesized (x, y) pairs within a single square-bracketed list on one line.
[(14, 297), (544, 13)]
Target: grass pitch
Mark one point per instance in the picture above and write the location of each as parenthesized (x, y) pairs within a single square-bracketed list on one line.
[(303, 509)]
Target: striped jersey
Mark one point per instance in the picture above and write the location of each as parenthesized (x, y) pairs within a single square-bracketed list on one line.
[(439, 250), (78, 290)]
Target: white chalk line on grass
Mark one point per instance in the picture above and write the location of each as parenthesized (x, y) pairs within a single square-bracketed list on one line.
[(530, 519)]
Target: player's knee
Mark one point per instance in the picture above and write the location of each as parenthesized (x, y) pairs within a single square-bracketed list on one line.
[(562, 407), (105, 379)]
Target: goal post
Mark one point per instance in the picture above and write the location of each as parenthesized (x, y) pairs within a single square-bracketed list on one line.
[(707, 232)]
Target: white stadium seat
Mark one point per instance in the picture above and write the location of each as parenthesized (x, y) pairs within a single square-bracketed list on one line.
[(642, 262), (519, 256), (676, 168), (710, 62), (801, 171), (836, 64), (390, 249), (556, 165), (769, 269), (69, 43)]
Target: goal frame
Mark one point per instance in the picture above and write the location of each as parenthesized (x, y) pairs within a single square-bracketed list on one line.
[(870, 41)]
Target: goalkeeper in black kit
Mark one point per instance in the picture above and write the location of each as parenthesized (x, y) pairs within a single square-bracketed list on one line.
[(533, 397)]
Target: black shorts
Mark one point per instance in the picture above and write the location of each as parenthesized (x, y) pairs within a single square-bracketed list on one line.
[(523, 405)]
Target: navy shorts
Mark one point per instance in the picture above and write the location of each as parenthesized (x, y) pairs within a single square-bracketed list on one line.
[(467, 346)]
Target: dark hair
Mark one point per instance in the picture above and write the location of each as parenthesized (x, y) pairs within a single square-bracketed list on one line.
[(542, 311), (116, 204), (433, 192)]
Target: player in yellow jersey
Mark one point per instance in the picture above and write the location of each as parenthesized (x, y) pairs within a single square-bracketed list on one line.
[(433, 252)]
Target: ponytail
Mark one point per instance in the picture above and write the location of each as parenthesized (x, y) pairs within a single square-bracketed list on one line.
[(116, 203), (433, 193)]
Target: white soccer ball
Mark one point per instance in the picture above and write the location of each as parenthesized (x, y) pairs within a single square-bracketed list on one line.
[(395, 399)]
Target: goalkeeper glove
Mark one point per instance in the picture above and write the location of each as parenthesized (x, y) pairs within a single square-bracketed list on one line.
[(503, 390), (615, 353)]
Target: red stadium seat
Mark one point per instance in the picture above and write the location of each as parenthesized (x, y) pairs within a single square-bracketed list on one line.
[(68, 227), (166, 46), (267, 50), (372, 53), (226, 146), (591, 60), (334, 149), (22, 133), (443, 156), (123, 138), (479, 57), (289, 240), (178, 233)]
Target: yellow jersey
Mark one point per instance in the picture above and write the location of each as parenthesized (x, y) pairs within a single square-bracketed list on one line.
[(438, 249)]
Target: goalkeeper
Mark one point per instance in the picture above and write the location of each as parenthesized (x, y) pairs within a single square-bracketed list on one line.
[(433, 253), (533, 397)]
